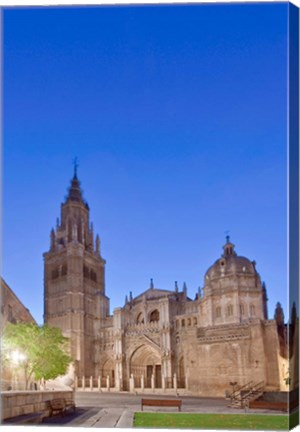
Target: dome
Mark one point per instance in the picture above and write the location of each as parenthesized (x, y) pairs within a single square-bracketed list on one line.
[(230, 263)]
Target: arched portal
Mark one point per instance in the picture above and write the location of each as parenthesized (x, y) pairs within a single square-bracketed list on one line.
[(108, 370), (146, 361)]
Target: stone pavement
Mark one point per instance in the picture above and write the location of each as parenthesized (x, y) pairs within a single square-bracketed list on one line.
[(117, 409), (110, 417)]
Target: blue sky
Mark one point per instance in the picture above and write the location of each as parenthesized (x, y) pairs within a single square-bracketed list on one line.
[(177, 115)]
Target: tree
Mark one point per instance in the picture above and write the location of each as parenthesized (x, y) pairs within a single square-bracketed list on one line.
[(40, 351)]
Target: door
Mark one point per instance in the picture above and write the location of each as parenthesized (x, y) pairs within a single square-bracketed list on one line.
[(158, 376), (149, 375)]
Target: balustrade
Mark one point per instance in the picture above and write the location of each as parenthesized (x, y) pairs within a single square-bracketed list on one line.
[(139, 380), (143, 327)]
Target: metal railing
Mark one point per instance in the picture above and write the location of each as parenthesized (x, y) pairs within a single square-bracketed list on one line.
[(243, 395)]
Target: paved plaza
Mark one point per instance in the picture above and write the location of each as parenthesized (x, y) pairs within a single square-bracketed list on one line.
[(96, 409)]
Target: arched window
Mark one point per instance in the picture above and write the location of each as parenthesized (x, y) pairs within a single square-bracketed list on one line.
[(64, 270), (195, 321), (189, 322), (218, 312), (93, 275), (183, 323), (86, 272), (242, 309), (252, 310), (154, 316), (79, 232), (230, 310), (55, 273), (69, 230), (140, 318)]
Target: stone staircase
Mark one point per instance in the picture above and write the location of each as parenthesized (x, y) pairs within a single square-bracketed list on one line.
[(243, 395)]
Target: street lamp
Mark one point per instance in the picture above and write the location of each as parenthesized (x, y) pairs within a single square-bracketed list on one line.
[(17, 358)]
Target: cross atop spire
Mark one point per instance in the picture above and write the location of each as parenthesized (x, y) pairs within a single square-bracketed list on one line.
[(75, 192), (75, 163), (227, 236)]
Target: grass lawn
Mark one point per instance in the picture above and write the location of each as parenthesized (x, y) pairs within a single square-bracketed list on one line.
[(294, 419), (211, 421)]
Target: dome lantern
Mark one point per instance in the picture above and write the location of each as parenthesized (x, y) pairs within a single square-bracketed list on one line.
[(228, 248)]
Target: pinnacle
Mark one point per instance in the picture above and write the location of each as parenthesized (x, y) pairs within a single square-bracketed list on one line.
[(75, 193)]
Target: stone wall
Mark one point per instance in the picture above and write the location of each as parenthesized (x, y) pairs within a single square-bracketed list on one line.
[(272, 358), (223, 354), (12, 309), (27, 402)]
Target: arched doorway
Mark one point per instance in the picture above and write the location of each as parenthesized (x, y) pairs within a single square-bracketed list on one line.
[(146, 361), (108, 370)]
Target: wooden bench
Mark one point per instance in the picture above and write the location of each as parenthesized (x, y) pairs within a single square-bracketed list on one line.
[(59, 405), (32, 418), (261, 404), (70, 404), (162, 403)]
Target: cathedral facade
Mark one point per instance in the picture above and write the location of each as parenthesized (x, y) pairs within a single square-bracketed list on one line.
[(161, 339)]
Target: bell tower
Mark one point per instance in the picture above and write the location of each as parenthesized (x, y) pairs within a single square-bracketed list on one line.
[(74, 279)]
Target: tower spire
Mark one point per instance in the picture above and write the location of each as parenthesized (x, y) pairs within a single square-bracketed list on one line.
[(75, 193), (75, 163)]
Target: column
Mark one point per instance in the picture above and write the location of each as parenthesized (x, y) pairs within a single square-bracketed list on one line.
[(175, 382), (152, 382), (142, 383), (131, 383), (163, 382), (118, 348)]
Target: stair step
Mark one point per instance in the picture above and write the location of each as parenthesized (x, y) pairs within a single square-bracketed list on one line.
[(251, 393)]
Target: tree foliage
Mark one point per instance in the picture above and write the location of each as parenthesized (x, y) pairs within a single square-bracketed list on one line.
[(43, 349)]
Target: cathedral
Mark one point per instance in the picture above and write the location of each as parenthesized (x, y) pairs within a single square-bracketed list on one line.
[(161, 339)]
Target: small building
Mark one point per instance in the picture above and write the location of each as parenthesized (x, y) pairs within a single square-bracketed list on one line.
[(12, 311)]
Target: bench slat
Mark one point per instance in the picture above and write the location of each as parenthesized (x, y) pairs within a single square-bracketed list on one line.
[(269, 405), (162, 403)]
